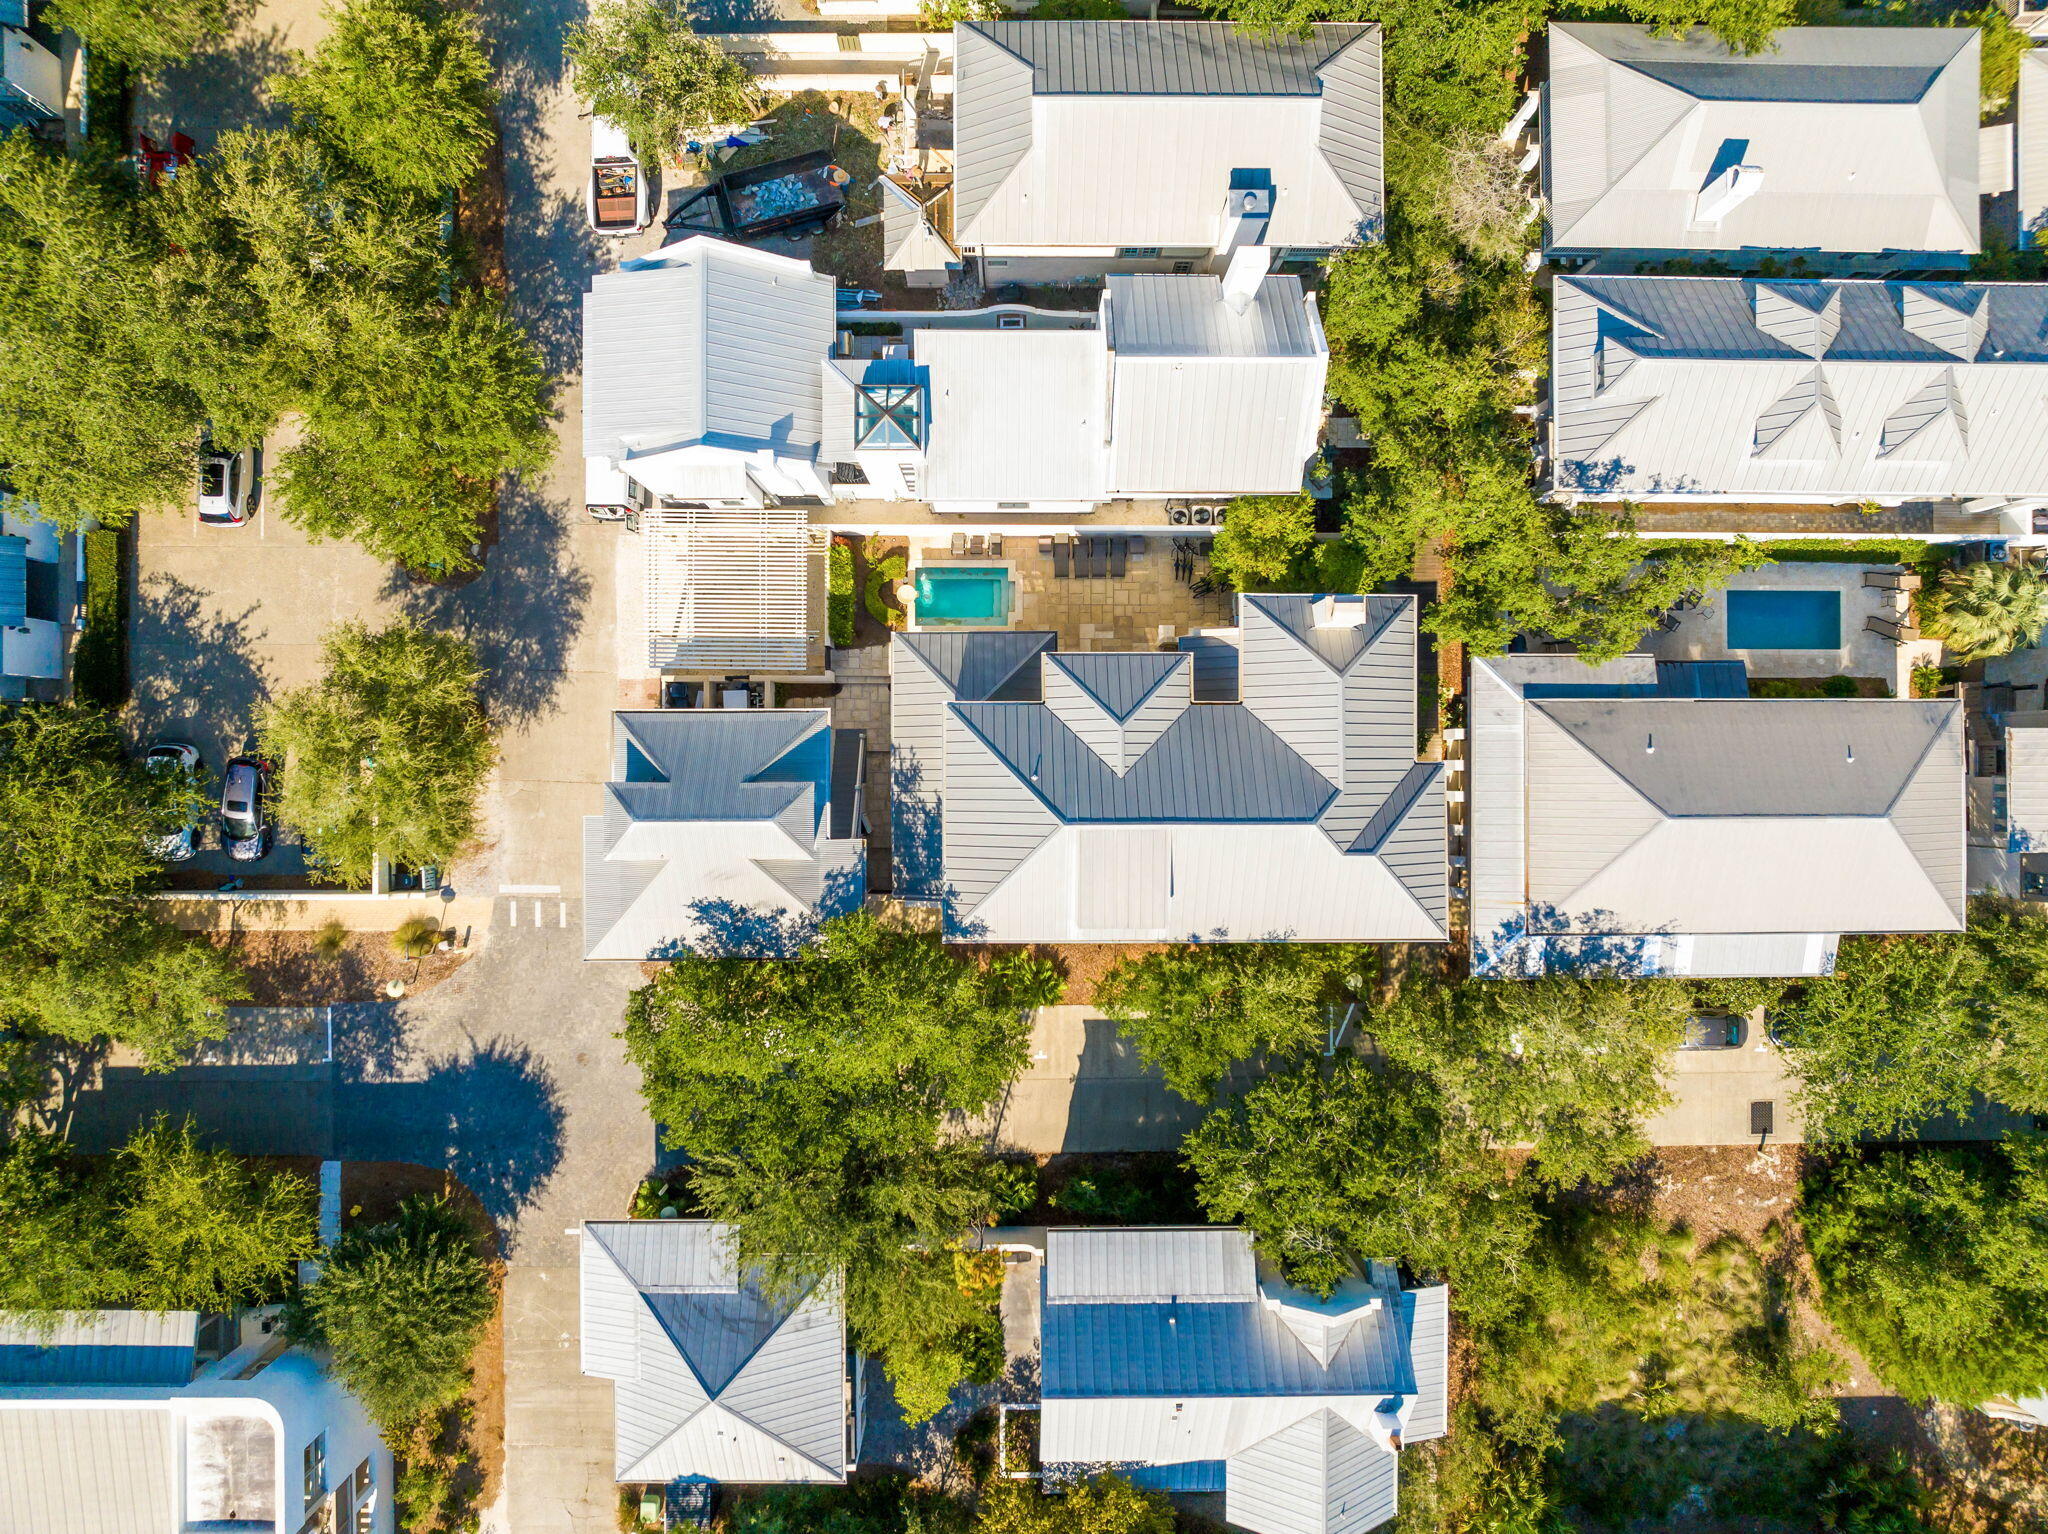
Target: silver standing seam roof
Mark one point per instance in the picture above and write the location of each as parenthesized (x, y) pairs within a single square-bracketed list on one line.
[(1651, 833), (1866, 139), (1672, 388), (1163, 1349), (1187, 103), (715, 1379), (1109, 801), (713, 811)]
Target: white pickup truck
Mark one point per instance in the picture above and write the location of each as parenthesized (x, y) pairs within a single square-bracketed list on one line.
[(619, 200)]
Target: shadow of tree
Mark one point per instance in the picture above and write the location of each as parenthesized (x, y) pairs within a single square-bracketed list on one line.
[(491, 1117), (221, 87), (1548, 940), (195, 670), (725, 929), (522, 613)]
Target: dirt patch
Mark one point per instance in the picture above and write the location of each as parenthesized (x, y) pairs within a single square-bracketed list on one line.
[(1720, 1190), (314, 969), (1083, 964)]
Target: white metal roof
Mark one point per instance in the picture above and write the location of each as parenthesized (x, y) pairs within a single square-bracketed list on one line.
[(1607, 817), (1198, 1265), (1186, 105), (90, 1470), (1017, 415), (2031, 147), (1319, 1476), (705, 342), (2026, 788), (1866, 138), (1669, 388), (731, 588)]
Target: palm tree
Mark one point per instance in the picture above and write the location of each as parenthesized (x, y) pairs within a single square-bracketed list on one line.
[(1989, 609)]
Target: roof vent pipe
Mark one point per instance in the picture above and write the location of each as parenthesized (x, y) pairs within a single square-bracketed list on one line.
[(1246, 273), (1650, 745), (1720, 197)]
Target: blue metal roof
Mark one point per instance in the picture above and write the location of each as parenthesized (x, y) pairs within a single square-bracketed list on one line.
[(1214, 763), (13, 582), (1151, 1350), (722, 764), (1702, 679), (1189, 1475)]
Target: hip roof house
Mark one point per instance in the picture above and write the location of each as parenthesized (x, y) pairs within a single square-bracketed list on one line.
[(715, 1378), (1845, 139), (1168, 1354), (1619, 823), (1087, 146), (1721, 388), (725, 831), (1260, 786), (132, 1422)]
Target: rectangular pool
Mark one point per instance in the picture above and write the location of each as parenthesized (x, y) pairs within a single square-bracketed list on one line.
[(1784, 620), (944, 594)]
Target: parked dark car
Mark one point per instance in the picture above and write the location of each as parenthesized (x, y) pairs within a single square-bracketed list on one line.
[(244, 821), (1714, 1030)]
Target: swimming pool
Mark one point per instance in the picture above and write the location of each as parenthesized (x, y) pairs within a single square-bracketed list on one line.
[(1784, 620), (945, 594)]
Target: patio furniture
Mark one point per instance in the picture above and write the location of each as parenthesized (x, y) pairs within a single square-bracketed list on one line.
[(1061, 551), (1098, 562), (1045, 548), (958, 548), (1118, 551), (1890, 629), (1137, 546), (977, 546), (1084, 558), (995, 544), (1891, 580)]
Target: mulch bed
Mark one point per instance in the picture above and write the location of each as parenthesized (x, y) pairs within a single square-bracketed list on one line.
[(290, 969)]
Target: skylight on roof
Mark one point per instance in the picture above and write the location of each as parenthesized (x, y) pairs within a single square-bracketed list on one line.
[(888, 415)]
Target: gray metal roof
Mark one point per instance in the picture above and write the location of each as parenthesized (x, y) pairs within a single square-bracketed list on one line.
[(1822, 756), (714, 1378), (106, 1347), (1197, 1265), (1670, 387), (1037, 796), (1169, 58), (976, 664), (1188, 104), (1866, 138)]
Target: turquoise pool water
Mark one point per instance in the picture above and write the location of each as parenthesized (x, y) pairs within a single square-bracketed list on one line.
[(1784, 620), (949, 595)]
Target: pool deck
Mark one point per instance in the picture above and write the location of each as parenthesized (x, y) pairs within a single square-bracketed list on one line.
[(1146, 609), (1702, 633)]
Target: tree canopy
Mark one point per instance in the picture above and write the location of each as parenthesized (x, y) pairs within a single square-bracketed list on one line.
[(401, 1306), (85, 955), (1196, 1010), (814, 1097), (401, 88), (1262, 537), (386, 754), (1988, 610), (1932, 1263), (643, 68), (1912, 1027), (142, 34), (163, 1224)]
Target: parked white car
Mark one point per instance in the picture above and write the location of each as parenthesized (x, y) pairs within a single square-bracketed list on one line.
[(223, 486), (618, 199)]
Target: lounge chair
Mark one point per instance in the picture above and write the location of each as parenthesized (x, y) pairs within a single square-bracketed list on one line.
[(1137, 546), (1060, 551), (958, 548), (1045, 548), (1117, 552), (1889, 628), (1098, 558), (977, 546), (995, 544)]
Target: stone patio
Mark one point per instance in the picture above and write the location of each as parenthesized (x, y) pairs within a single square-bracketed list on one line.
[(1147, 609), (1702, 631)]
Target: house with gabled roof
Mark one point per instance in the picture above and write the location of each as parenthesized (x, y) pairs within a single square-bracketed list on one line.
[(145, 1422), (1259, 785), (1704, 389), (1619, 822), (1858, 140), (1176, 1357), (1084, 147), (725, 830), (716, 1378)]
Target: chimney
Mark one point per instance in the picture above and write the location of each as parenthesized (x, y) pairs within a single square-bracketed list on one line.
[(1247, 210), (1247, 270), (1720, 197)]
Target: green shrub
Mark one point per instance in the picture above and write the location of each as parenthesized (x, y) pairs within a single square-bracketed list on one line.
[(99, 663), (416, 937), (1927, 681), (839, 595), (1839, 687), (878, 598), (1262, 538)]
